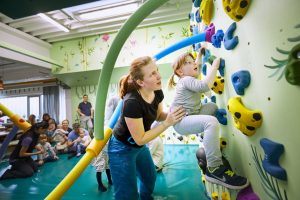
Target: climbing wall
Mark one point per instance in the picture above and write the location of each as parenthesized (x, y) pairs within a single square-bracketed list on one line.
[(261, 48)]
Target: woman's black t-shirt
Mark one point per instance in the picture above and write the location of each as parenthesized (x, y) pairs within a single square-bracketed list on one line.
[(134, 106)]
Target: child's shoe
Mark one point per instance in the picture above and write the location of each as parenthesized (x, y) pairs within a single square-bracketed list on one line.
[(224, 176), (78, 154), (158, 169), (102, 188)]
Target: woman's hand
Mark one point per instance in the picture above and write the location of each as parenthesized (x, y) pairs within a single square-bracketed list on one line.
[(174, 116)]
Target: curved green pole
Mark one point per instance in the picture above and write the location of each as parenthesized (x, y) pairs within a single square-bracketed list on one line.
[(112, 56)]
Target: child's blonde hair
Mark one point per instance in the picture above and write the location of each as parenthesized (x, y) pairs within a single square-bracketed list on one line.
[(177, 65), (43, 136)]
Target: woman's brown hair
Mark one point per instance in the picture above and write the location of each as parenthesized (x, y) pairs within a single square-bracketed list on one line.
[(128, 83), (176, 65)]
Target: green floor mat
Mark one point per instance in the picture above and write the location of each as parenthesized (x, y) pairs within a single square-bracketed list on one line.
[(180, 179)]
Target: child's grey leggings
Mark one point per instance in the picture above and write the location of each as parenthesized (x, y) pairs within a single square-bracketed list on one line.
[(207, 123)]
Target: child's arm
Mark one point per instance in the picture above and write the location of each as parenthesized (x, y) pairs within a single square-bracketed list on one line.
[(40, 149), (51, 150), (199, 56), (65, 139), (87, 140), (211, 75)]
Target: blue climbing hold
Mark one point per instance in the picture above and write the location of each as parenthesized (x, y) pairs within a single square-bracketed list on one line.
[(197, 16), (197, 3), (240, 81), (270, 163), (230, 42), (217, 38), (213, 99), (221, 116), (222, 67)]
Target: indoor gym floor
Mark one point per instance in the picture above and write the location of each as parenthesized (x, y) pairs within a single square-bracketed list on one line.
[(180, 179)]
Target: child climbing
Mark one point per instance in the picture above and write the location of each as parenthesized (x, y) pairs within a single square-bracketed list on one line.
[(200, 118)]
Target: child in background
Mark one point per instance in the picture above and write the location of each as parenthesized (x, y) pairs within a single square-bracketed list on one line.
[(51, 129), (81, 143), (101, 161), (60, 138), (48, 154), (200, 118), (156, 148), (32, 119)]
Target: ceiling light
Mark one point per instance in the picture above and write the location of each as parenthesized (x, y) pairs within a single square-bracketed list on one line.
[(109, 12), (52, 21)]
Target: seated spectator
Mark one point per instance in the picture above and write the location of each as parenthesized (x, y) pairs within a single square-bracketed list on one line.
[(51, 129), (32, 119), (60, 139), (46, 117), (22, 165), (48, 154), (72, 138), (82, 142), (65, 126)]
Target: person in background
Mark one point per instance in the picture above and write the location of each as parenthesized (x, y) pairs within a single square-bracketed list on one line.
[(73, 139), (200, 118), (65, 126), (22, 165), (156, 148), (60, 138), (51, 129), (32, 119), (86, 113), (129, 157), (101, 161), (48, 154), (46, 117), (81, 143)]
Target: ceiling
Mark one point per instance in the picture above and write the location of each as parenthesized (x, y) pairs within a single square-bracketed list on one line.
[(73, 16)]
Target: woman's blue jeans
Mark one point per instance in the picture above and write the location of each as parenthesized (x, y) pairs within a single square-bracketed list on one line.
[(126, 164)]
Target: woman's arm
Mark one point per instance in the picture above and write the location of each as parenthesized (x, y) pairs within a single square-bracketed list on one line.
[(23, 152), (137, 131), (71, 143), (65, 140)]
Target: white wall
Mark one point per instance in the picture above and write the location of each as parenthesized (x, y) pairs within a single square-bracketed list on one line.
[(267, 25)]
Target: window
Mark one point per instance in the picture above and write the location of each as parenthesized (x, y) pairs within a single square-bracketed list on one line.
[(23, 106), (34, 107)]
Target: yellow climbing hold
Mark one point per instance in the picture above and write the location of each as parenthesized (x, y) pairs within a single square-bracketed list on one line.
[(247, 121), (206, 11), (236, 9)]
